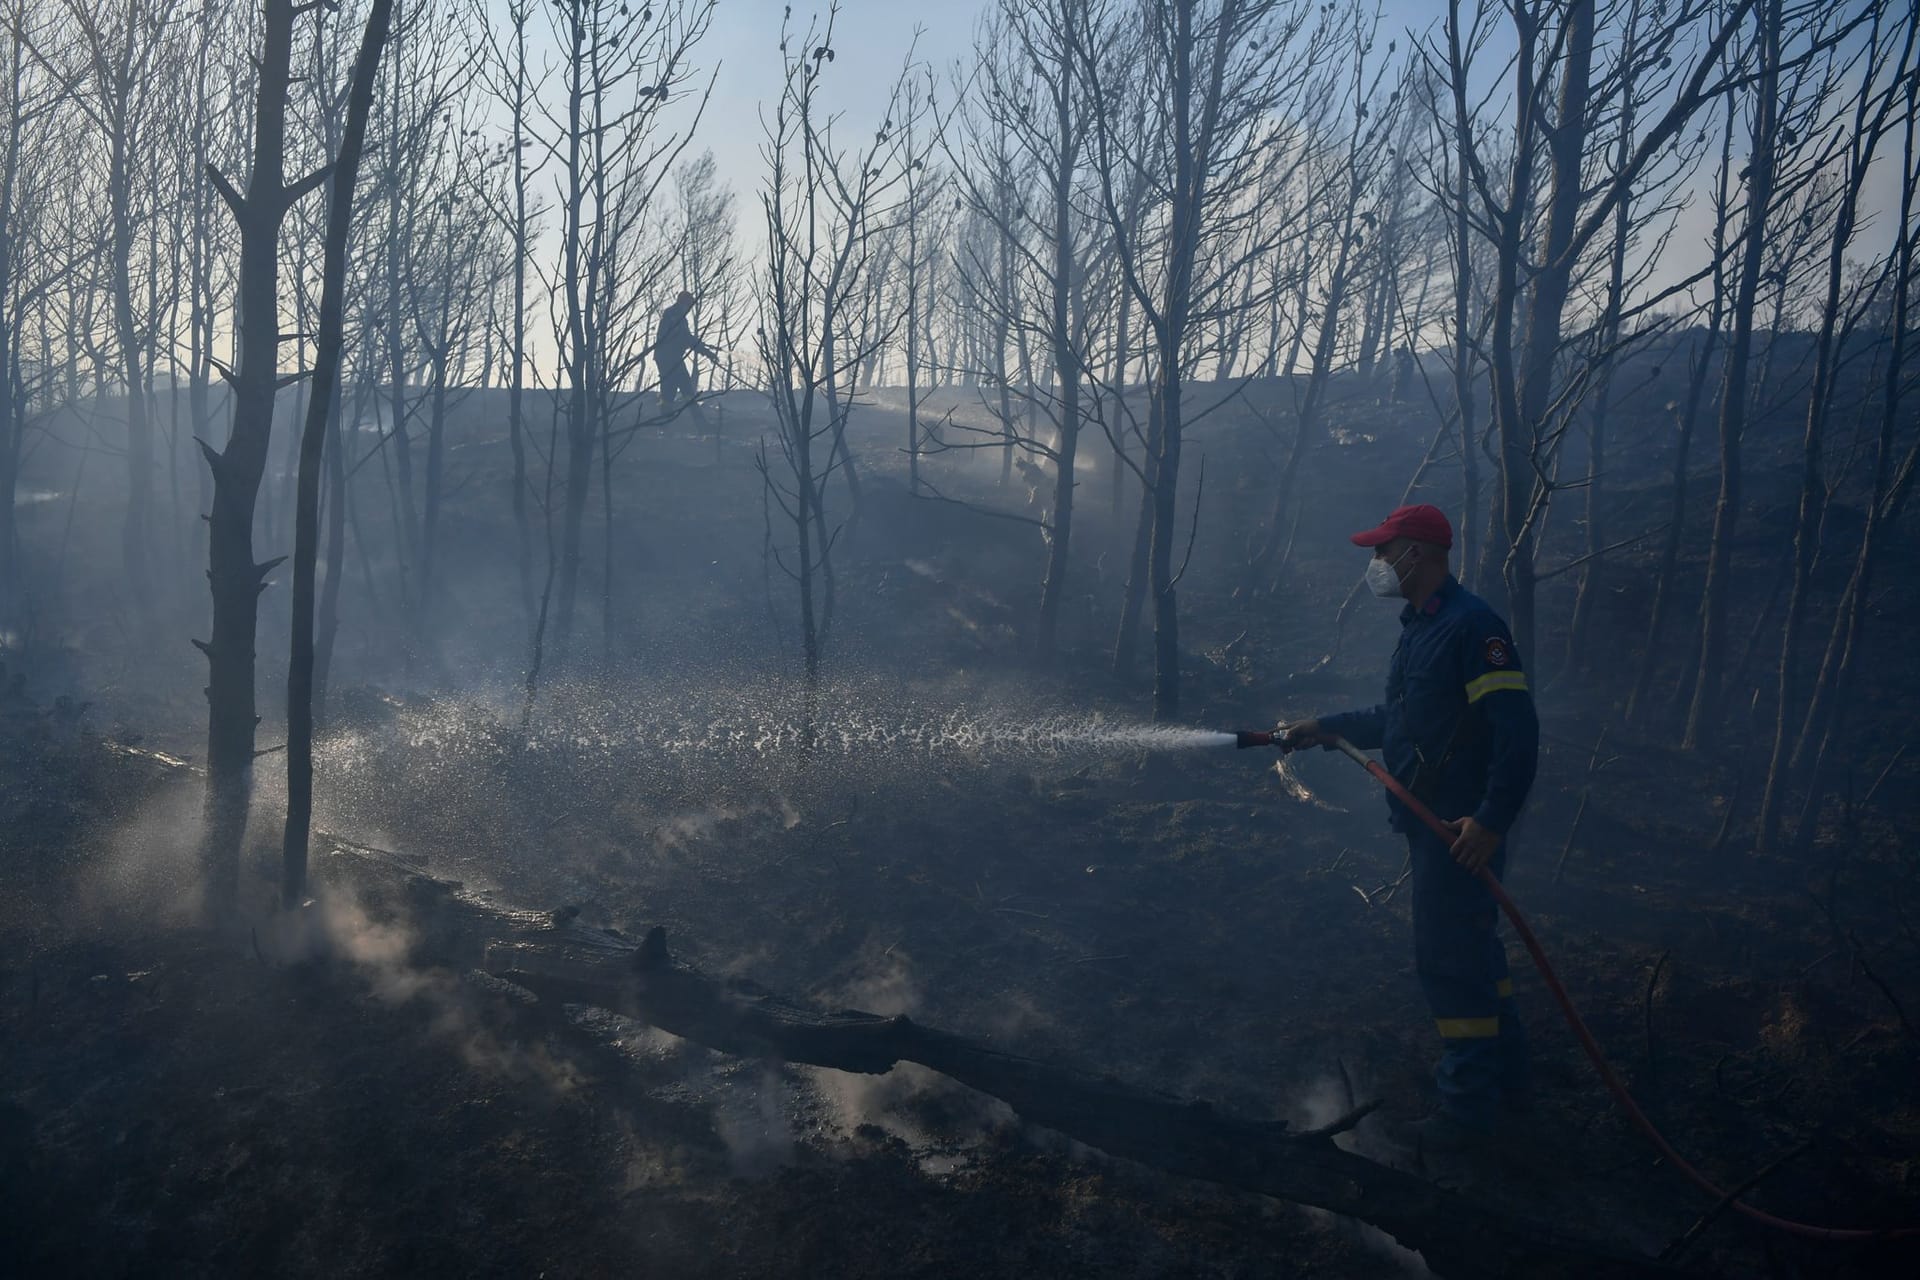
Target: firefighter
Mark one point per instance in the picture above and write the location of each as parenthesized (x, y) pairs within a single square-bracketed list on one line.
[(671, 343), (1458, 728)]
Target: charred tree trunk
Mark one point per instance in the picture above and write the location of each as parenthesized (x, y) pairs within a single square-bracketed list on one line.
[(136, 530), (580, 442), (1867, 131), (1189, 179), (313, 438), (400, 228), (13, 419), (1520, 439), (516, 378), (839, 410), (439, 356), (1589, 585), (1665, 586), (10, 427), (914, 211), (235, 578), (1467, 534), (1827, 704), (12, 407), (1004, 324), (200, 309), (1503, 373), (562, 963), (1277, 547), (1704, 710), (1127, 639), (1161, 575), (1066, 356), (579, 367), (808, 515), (1116, 425), (327, 617), (1060, 525)]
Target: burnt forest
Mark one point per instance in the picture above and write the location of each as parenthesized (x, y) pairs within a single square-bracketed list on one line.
[(710, 638)]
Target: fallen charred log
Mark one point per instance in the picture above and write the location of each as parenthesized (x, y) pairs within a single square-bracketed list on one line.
[(562, 961)]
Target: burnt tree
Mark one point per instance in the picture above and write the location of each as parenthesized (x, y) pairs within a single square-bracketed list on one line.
[(1219, 73), (313, 438), (235, 578), (556, 961)]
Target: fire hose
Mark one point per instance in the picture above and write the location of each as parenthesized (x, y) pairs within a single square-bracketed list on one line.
[(1580, 1030)]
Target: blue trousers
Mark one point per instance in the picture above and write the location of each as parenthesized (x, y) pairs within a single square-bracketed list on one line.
[(1462, 966)]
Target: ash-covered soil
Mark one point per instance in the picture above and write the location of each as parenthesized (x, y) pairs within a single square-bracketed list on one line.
[(178, 1102)]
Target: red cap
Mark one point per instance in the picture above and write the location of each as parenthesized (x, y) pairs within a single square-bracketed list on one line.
[(1421, 523)]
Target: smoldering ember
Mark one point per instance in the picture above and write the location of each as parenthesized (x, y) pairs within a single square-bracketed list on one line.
[(1013, 638)]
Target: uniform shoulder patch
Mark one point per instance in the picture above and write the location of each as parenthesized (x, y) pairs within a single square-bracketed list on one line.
[(1497, 652)]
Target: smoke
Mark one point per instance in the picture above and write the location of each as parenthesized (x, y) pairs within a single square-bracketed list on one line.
[(1326, 1099), (750, 1118), (928, 1112), (935, 1117), (882, 982), (381, 949), (1017, 1014), (150, 872), (683, 830)]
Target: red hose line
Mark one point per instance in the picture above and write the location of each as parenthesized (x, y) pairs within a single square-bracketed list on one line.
[(1592, 1046)]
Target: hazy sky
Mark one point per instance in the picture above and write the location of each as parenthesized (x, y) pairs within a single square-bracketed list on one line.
[(873, 37)]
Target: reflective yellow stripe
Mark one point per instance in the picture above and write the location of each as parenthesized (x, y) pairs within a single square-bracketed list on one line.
[(1504, 988), (1467, 1028), (1494, 681)]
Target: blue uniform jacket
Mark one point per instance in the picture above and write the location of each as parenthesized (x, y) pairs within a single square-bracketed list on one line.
[(1457, 700)]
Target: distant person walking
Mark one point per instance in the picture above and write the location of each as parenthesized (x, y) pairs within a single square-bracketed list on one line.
[(1458, 729), (671, 343)]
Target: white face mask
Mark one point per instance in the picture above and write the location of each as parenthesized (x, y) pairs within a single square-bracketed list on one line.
[(1381, 578)]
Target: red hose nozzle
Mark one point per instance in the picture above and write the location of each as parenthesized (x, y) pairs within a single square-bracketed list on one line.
[(1255, 738)]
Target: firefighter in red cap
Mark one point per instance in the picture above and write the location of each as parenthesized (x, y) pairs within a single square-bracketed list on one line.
[(1458, 728)]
